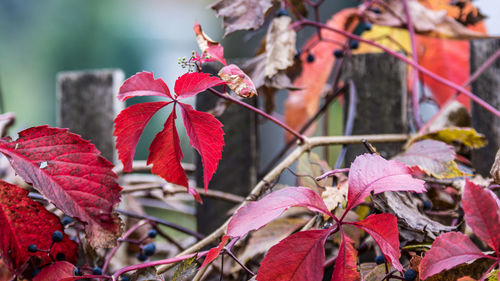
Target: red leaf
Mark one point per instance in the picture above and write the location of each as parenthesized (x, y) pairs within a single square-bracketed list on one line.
[(70, 172), (345, 268), (214, 252), (206, 136), (298, 257), (56, 271), (255, 215), (447, 251), (165, 153), (482, 214), (192, 83), (143, 84), (383, 228), (372, 173), (208, 46), (24, 222), (129, 125)]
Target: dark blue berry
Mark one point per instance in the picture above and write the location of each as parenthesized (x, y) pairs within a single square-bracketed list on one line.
[(375, 10), (282, 12), (368, 26), (427, 205), (410, 275), (149, 249), (125, 278), (77, 272), (152, 233), (380, 259), (97, 271), (60, 257), (297, 55), (36, 271), (141, 257), (354, 44), (310, 57), (66, 220), (57, 236), (338, 53), (32, 248)]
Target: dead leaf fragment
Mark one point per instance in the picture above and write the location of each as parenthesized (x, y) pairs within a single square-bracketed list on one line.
[(452, 135), (495, 169), (186, 270), (238, 81), (335, 195), (310, 166), (241, 14), (209, 47), (280, 45)]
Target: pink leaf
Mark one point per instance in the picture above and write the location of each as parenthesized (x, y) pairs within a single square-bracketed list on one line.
[(208, 46), (345, 268), (214, 252), (372, 173), (383, 228), (25, 222), (482, 214), (143, 84), (447, 251), (255, 215), (298, 257), (206, 136), (129, 125), (71, 174), (192, 83), (238, 81), (165, 154), (57, 271)]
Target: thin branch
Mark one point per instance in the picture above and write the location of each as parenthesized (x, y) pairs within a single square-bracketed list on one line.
[(351, 114)]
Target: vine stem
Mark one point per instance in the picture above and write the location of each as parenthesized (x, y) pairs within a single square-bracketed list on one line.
[(119, 243), (258, 111), (406, 60), (414, 56), (332, 172), (307, 145)]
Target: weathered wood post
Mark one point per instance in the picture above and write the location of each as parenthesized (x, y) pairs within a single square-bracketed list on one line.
[(237, 171), (380, 82), (87, 105), (487, 87)]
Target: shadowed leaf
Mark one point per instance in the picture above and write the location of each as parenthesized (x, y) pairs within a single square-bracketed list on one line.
[(186, 270), (56, 271)]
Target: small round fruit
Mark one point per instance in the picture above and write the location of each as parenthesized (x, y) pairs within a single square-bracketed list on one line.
[(368, 26), (32, 248), (282, 12), (380, 259), (77, 272), (410, 275), (149, 249), (125, 278), (97, 271), (152, 233), (354, 44), (66, 220), (57, 236), (338, 53), (297, 54), (60, 257), (427, 205), (310, 57), (142, 257)]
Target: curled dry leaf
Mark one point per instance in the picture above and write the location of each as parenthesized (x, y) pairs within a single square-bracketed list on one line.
[(495, 169), (310, 166), (237, 81), (335, 195), (241, 14), (433, 157), (280, 45), (452, 135), (425, 21), (209, 47)]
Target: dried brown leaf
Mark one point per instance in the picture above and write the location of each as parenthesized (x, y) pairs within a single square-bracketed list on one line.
[(495, 169), (238, 81), (452, 135), (280, 46), (241, 14)]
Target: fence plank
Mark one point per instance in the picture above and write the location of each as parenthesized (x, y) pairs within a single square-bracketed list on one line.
[(380, 81), (87, 105), (487, 87)]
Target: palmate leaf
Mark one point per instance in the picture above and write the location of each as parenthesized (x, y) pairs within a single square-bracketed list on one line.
[(24, 222), (298, 257), (255, 215), (70, 172), (372, 173), (346, 264), (204, 131)]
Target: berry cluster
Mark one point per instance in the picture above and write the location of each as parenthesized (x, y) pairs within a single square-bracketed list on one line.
[(57, 236)]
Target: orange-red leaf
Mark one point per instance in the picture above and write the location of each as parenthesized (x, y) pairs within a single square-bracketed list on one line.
[(214, 252), (24, 222)]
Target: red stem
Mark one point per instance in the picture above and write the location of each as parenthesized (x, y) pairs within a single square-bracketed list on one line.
[(258, 111), (406, 60)]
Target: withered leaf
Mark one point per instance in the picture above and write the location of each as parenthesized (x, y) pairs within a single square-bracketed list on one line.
[(280, 45), (146, 274), (241, 14), (186, 270), (310, 166), (495, 169), (238, 81), (466, 136)]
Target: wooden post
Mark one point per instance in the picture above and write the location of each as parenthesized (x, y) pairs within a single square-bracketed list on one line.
[(237, 171), (87, 105), (380, 82), (487, 87)]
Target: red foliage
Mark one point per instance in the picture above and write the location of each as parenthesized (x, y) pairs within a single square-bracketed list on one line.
[(346, 263), (214, 252), (70, 172), (26, 222), (296, 258), (57, 271)]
